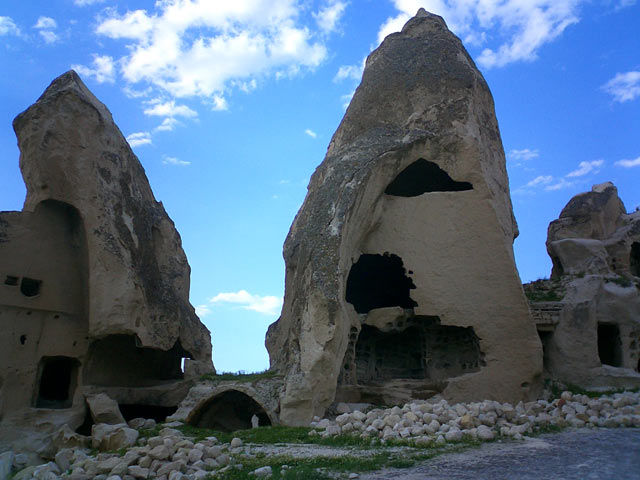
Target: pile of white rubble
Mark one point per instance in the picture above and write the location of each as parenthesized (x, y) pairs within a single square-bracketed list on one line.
[(424, 422)]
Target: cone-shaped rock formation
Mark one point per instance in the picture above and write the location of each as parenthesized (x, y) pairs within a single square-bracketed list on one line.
[(400, 278)]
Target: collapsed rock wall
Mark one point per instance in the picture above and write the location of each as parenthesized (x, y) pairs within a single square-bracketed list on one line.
[(594, 340), (414, 192), (94, 283)]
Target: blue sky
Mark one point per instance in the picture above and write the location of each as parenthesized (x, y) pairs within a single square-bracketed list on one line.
[(230, 107)]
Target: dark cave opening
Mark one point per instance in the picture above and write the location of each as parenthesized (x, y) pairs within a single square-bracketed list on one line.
[(159, 414), (117, 360), (634, 260), (609, 344), (423, 176), (229, 411), (545, 339), (30, 287), (378, 281), (58, 379)]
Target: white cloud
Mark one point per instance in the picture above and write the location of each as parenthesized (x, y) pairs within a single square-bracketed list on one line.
[(170, 109), (346, 99), (352, 72), (8, 27), (269, 305), (202, 48), (559, 185), (84, 3), (48, 36), (139, 138), (540, 180), (624, 86), (624, 4), (586, 167), (329, 16), (167, 125), (174, 161), (203, 310), (523, 155), (628, 163), (103, 69), (520, 27), (311, 133), (46, 23)]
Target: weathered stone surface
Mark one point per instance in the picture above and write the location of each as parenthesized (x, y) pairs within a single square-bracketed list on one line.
[(405, 237), (96, 266), (590, 321), (104, 409)]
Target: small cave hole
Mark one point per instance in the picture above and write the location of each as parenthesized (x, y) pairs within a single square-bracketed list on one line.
[(23, 339), (11, 281), (609, 344), (30, 287), (423, 176), (158, 413), (378, 281), (229, 411), (58, 378), (634, 260)]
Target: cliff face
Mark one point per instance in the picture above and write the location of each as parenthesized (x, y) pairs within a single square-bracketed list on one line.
[(399, 265)]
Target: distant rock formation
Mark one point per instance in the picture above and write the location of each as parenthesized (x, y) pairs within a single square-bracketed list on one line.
[(400, 277), (588, 314), (95, 284)]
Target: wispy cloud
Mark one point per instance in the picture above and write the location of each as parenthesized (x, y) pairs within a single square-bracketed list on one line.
[(519, 27), (169, 109), (329, 16), (46, 27), (628, 163), (523, 155), (586, 167), (103, 69), (349, 72), (311, 133), (560, 184), (268, 305), (624, 87), (540, 180), (84, 3), (139, 138), (174, 161), (8, 27), (203, 310)]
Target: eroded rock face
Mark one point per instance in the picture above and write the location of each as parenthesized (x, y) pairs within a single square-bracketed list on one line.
[(588, 314), (400, 279), (94, 282)]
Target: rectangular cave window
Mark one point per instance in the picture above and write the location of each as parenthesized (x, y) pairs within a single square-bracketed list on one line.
[(609, 344), (11, 281), (57, 382), (634, 260)]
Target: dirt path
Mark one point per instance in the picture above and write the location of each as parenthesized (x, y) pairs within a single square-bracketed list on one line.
[(572, 455)]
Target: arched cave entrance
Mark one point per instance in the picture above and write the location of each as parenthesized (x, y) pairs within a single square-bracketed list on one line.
[(229, 411), (377, 281), (117, 361), (423, 176), (609, 344), (634, 260), (58, 378)]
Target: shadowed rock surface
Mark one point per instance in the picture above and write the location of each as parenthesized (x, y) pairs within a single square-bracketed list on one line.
[(95, 284), (400, 278)]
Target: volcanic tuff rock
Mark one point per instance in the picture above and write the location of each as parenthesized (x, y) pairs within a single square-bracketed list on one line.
[(588, 315), (95, 284), (400, 279)]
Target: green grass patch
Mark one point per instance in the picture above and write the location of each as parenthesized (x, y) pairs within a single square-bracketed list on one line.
[(619, 280), (543, 295), (240, 376)]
